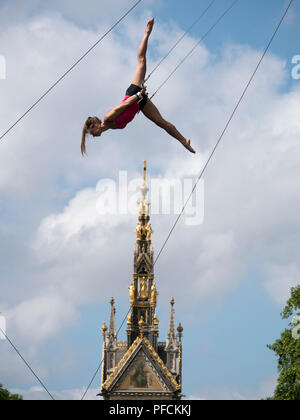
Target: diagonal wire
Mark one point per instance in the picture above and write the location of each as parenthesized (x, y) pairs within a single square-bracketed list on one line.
[(27, 364), (227, 125), (180, 39), (20, 119), (210, 157), (67, 72), (196, 45), (95, 374), (99, 367)]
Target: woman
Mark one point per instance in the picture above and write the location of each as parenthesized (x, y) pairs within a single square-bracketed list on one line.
[(136, 100)]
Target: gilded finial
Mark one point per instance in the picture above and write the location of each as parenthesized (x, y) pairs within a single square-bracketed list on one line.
[(104, 328), (145, 169), (143, 204), (180, 328)]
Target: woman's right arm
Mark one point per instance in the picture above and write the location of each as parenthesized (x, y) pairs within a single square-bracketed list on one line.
[(115, 112)]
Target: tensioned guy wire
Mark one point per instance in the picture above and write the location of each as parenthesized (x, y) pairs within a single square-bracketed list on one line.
[(68, 71), (195, 46), (180, 39), (227, 125), (99, 367), (227, 10), (201, 173), (27, 364), (214, 150), (23, 116)]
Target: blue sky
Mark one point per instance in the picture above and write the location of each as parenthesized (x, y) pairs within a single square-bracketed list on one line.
[(61, 262)]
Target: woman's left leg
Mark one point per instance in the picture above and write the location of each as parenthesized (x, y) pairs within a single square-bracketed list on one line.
[(140, 72), (151, 112)]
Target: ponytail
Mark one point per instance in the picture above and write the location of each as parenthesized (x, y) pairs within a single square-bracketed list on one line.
[(85, 130), (83, 137)]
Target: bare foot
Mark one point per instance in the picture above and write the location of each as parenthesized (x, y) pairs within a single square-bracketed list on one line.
[(188, 146), (149, 26)]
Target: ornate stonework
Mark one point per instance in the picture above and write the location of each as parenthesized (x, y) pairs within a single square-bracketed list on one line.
[(141, 367)]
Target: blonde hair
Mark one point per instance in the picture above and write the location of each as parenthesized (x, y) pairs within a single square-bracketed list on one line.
[(85, 130)]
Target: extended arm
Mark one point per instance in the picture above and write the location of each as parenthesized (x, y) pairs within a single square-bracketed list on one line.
[(115, 112)]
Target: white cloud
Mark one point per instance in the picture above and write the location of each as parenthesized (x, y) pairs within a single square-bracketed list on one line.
[(40, 318), (280, 280), (252, 200)]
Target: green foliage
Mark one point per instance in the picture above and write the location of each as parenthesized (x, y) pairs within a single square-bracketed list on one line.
[(293, 304), (287, 349), (6, 395)]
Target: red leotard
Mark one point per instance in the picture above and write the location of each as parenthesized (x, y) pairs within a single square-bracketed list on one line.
[(128, 115)]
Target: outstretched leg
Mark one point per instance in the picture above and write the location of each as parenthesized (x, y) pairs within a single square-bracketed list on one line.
[(140, 73), (151, 112)]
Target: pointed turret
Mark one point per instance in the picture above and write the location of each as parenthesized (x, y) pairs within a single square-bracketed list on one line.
[(111, 340), (142, 290), (172, 345), (142, 367), (112, 334), (171, 341)]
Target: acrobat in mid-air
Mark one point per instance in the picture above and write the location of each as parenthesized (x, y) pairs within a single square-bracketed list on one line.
[(136, 100)]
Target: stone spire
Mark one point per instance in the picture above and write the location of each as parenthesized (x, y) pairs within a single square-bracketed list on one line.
[(143, 229), (171, 337), (142, 289), (172, 346), (142, 367), (143, 204), (112, 334)]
